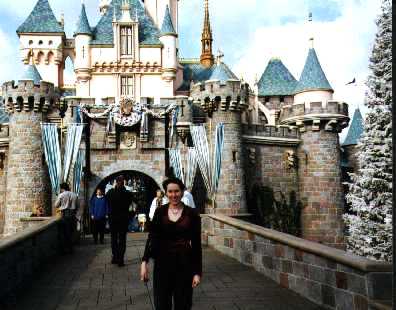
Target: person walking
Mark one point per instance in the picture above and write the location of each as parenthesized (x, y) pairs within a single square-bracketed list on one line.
[(157, 202), (119, 200), (174, 242), (99, 211), (67, 204)]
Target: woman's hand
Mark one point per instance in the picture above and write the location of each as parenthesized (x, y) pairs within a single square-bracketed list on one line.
[(144, 272), (196, 281)]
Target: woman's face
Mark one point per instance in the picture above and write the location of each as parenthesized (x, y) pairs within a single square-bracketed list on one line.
[(159, 194), (174, 193)]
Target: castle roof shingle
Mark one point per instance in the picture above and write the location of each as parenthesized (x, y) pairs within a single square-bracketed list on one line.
[(276, 80), (193, 71), (83, 23), (148, 32), (167, 25), (31, 73), (41, 20), (355, 129), (312, 76)]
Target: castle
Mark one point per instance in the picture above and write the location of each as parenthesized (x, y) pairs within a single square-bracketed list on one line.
[(281, 133)]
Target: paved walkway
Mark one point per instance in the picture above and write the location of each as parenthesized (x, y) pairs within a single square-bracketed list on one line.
[(87, 281)]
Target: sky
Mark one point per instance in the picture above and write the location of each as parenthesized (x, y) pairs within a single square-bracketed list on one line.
[(249, 33)]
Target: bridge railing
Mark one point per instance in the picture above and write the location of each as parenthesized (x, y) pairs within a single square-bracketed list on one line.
[(327, 276), (24, 253)]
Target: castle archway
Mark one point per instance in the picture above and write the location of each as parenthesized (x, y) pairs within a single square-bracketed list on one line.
[(141, 185)]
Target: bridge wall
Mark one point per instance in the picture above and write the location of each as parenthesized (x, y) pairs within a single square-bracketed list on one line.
[(327, 276), (24, 253)]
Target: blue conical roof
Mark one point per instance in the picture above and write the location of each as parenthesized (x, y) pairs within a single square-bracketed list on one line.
[(222, 73), (31, 73), (276, 80), (41, 20), (355, 129), (167, 25), (83, 24), (312, 77)]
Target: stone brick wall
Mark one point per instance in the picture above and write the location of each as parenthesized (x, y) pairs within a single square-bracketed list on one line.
[(327, 276), (3, 184), (27, 176), (231, 195), (320, 187), (265, 165), (23, 254)]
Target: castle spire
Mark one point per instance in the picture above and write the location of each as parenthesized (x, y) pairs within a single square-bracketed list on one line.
[(310, 29), (207, 59)]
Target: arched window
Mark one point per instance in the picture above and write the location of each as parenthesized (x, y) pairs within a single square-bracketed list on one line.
[(51, 57), (40, 58), (126, 40)]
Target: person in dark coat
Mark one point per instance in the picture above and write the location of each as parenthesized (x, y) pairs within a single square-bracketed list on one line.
[(174, 241), (119, 200), (99, 211)]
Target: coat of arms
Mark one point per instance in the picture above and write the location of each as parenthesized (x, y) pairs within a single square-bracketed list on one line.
[(126, 105)]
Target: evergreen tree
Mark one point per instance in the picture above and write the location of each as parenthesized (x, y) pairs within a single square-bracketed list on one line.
[(370, 193)]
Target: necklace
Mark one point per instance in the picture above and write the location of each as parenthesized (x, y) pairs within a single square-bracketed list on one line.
[(175, 211)]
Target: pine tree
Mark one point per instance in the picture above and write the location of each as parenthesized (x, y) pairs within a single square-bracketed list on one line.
[(370, 193)]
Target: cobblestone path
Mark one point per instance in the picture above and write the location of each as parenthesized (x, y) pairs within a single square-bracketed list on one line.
[(87, 281)]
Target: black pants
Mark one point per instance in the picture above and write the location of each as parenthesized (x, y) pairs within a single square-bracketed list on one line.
[(67, 229), (173, 280), (118, 244), (98, 228)]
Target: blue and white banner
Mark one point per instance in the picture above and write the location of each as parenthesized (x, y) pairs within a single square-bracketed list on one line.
[(49, 133), (74, 133)]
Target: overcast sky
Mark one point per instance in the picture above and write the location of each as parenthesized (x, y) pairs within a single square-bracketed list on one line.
[(248, 32)]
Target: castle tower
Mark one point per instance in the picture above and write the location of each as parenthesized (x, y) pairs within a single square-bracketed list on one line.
[(41, 38), (82, 67), (319, 120), (207, 59), (168, 38), (28, 183), (225, 93)]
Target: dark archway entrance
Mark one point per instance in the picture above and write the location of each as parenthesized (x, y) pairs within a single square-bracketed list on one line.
[(139, 184)]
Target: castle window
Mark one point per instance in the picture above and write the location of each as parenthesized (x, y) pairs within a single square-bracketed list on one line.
[(40, 42), (50, 42), (126, 40), (30, 42), (126, 86), (267, 99), (282, 99)]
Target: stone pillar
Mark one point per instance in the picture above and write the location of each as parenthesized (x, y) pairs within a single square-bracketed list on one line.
[(320, 187), (28, 184), (231, 194)]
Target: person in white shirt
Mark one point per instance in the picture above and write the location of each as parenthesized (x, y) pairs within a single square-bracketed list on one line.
[(188, 199), (158, 201)]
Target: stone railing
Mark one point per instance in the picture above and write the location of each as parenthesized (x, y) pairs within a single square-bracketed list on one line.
[(329, 277), (23, 254)]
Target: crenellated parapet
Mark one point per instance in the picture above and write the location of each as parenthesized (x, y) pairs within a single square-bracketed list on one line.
[(327, 115), (280, 131), (26, 96), (229, 95)]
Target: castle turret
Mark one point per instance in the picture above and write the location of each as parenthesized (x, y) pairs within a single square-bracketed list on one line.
[(168, 38), (224, 100), (41, 38), (207, 58), (319, 120), (82, 67), (28, 185)]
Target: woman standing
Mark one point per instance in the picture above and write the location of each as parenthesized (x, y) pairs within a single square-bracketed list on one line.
[(174, 242), (99, 211), (157, 202)]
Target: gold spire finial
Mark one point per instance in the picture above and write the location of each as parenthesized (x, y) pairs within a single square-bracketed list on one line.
[(207, 58)]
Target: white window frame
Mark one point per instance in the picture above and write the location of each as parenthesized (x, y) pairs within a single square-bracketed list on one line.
[(127, 84), (126, 41)]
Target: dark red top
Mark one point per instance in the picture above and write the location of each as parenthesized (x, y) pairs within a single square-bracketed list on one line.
[(184, 235)]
